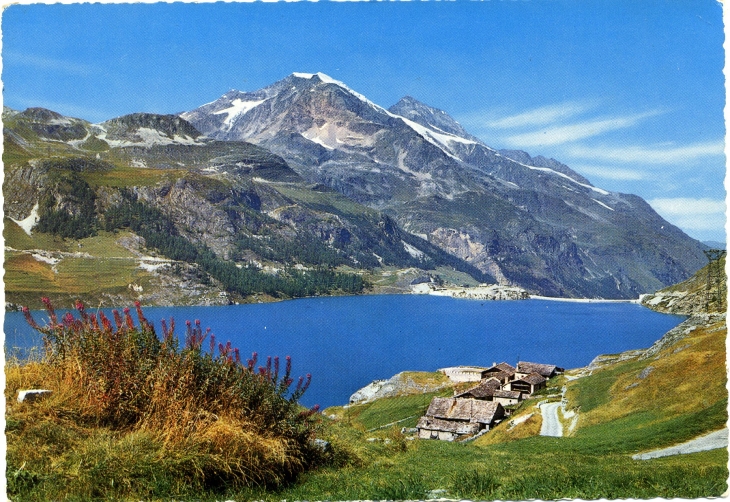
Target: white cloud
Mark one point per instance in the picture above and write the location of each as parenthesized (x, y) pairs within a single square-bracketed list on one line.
[(577, 131), (541, 116), (650, 155), (692, 214)]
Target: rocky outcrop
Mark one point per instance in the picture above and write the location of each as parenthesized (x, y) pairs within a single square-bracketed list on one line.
[(399, 385), (693, 296), (680, 332)]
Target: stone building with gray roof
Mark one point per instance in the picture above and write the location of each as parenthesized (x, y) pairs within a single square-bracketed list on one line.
[(449, 418)]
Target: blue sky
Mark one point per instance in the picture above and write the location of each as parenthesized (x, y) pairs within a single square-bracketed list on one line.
[(629, 94)]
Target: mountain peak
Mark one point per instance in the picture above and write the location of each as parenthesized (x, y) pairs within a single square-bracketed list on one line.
[(324, 78), (147, 129), (428, 116), (43, 115)]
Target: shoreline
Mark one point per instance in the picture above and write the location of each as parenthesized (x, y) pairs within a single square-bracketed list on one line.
[(13, 307), (581, 300)]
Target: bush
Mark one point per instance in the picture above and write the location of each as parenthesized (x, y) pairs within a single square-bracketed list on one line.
[(226, 421)]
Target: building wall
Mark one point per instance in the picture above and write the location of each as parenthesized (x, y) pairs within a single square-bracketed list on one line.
[(447, 436), (440, 435), (506, 400), (463, 374)]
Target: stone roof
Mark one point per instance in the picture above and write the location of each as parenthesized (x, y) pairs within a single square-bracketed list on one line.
[(546, 370), (437, 424), (533, 378), (502, 376), (506, 368), (511, 394), (468, 410), (485, 389)]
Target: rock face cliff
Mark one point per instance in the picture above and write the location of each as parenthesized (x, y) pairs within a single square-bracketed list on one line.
[(404, 383), (703, 293), (527, 221)]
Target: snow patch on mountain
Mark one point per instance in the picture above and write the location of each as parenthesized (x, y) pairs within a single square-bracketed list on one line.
[(238, 107), (316, 139), (552, 171), (604, 205), (29, 222), (427, 134), (147, 137)]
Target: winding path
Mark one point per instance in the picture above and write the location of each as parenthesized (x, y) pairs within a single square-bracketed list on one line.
[(551, 425), (711, 441)]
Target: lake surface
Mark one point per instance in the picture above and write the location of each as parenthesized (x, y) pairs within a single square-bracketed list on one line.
[(347, 342)]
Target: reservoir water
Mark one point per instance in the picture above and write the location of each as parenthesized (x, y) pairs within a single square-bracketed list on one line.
[(347, 342)]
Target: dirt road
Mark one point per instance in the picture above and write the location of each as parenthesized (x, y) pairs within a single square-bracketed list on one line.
[(551, 425)]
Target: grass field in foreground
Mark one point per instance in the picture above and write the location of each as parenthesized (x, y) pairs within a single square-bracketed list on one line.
[(623, 409)]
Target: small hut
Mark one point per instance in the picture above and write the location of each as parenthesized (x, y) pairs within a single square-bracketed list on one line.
[(450, 418), (527, 385), (546, 370)]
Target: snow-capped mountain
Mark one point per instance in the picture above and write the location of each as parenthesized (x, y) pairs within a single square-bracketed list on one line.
[(528, 221)]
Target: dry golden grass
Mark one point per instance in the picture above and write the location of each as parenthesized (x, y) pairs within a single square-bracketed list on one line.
[(503, 433), (434, 378), (28, 273), (208, 420), (688, 375)]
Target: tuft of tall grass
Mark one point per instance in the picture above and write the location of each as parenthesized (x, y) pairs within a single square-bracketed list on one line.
[(170, 413), (474, 484)]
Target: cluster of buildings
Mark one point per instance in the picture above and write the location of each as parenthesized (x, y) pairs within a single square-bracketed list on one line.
[(479, 408)]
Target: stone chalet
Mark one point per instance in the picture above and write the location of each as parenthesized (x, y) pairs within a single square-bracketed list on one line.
[(491, 389), (449, 418), (547, 370), (528, 384), (480, 407)]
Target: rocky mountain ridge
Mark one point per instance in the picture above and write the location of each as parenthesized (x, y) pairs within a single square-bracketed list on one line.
[(157, 175), (531, 222), (308, 160)]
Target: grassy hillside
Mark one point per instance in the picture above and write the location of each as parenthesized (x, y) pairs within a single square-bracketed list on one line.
[(105, 269)]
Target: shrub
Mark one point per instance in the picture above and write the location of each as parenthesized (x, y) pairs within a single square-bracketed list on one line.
[(228, 421)]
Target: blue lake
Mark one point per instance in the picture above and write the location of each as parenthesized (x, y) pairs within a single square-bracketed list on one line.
[(346, 342)]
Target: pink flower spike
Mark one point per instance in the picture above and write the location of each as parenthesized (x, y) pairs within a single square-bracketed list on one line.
[(29, 319)]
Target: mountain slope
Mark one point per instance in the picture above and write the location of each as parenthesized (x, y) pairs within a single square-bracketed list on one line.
[(238, 214), (527, 221), (693, 296)]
